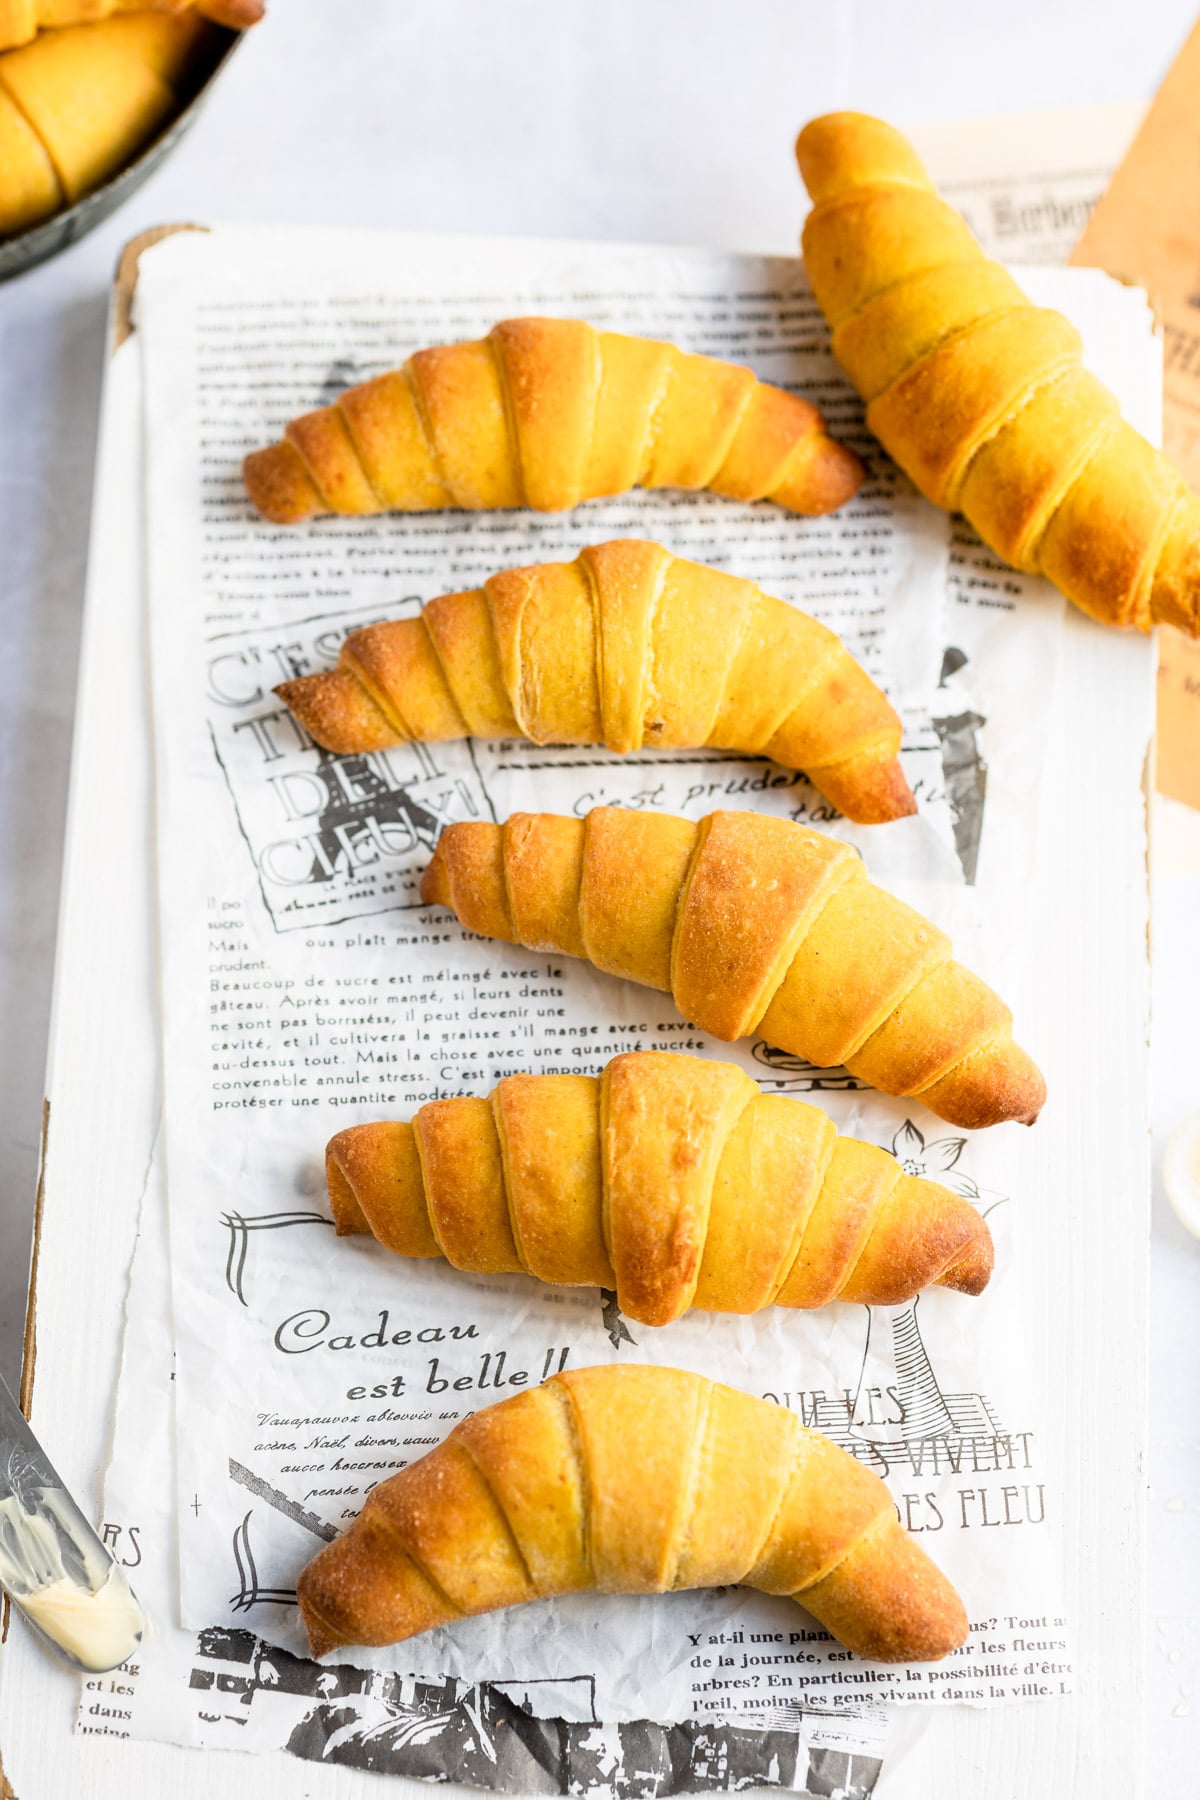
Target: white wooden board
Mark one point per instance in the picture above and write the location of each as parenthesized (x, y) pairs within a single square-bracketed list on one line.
[(1087, 1294)]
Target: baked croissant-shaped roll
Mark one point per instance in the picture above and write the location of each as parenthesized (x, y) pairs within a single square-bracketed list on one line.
[(77, 104), (668, 1178), (627, 646), (21, 20), (546, 413), (631, 1480), (981, 397), (755, 925)]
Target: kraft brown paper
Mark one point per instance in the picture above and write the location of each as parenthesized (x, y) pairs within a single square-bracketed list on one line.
[(1146, 230)]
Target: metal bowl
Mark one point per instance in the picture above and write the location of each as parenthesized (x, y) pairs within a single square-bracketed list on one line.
[(54, 234)]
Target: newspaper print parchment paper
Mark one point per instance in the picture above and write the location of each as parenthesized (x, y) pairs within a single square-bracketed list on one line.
[(303, 987)]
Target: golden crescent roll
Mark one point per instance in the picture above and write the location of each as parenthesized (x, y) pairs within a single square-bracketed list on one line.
[(627, 646), (21, 20), (670, 1179), (631, 1480), (982, 397), (546, 413), (755, 925), (78, 103)]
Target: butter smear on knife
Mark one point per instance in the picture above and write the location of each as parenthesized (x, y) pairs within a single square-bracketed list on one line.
[(100, 1626)]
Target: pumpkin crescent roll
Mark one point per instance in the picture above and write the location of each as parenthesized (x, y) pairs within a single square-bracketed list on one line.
[(627, 646), (21, 20), (546, 413), (668, 1178), (982, 397), (755, 925), (77, 104), (631, 1480)]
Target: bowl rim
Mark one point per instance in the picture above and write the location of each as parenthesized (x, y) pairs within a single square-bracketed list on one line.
[(24, 249)]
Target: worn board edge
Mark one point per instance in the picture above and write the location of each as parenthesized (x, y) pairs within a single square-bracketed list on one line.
[(124, 288), (121, 302)]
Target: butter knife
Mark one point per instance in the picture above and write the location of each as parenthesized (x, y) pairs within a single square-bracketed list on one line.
[(52, 1564)]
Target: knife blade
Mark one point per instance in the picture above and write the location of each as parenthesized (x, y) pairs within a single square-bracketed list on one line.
[(53, 1565)]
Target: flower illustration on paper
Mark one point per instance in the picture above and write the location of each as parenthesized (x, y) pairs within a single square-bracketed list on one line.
[(933, 1159)]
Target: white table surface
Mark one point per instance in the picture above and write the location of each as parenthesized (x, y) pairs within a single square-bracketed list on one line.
[(664, 120)]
